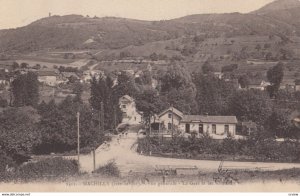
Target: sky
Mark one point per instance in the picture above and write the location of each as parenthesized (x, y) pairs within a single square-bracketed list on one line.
[(17, 13)]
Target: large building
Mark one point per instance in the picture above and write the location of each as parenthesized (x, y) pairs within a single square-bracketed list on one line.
[(130, 113), (47, 77), (218, 127)]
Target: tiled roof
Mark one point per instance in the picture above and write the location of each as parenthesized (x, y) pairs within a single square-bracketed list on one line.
[(47, 73), (210, 119), (127, 97), (175, 111)]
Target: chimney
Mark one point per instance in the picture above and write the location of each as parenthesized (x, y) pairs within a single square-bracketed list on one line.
[(49, 14)]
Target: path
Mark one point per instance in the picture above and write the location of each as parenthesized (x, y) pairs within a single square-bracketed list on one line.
[(128, 160)]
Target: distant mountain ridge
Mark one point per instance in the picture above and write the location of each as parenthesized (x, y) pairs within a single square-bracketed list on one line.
[(70, 32), (279, 5)]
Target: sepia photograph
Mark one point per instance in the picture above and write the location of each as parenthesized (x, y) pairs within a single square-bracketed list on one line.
[(149, 96)]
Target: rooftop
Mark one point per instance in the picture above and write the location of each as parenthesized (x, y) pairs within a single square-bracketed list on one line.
[(47, 73), (210, 119)]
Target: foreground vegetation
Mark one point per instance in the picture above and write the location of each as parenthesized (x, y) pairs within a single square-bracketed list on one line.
[(61, 170), (47, 169), (256, 148)]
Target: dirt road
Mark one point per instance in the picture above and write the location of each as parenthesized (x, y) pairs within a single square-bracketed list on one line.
[(122, 150)]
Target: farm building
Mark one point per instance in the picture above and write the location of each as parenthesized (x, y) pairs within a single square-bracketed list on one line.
[(130, 113), (218, 127), (47, 77)]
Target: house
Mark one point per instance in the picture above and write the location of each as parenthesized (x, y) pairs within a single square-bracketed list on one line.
[(258, 84), (218, 127), (47, 77), (128, 108), (4, 80), (170, 116), (288, 84), (89, 74), (218, 75)]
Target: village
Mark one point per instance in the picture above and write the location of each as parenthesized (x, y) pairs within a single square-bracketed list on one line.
[(204, 99)]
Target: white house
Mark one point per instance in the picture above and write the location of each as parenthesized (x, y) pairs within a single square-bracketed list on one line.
[(130, 113), (170, 116), (218, 127), (48, 77), (258, 84)]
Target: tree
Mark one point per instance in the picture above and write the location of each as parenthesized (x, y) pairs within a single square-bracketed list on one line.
[(24, 65), (212, 94), (243, 81), (25, 90), (18, 132), (258, 47), (37, 66), (275, 76), (58, 127), (125, 85), (177, 88), (148, 102), (279, 123), (102, 90), (207, 68), (251, 105), (153, 57), (77, 90), (3, 102), (15, 65)]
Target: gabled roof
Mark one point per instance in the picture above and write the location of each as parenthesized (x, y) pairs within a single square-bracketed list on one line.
[(127, 97), (170, 109), (210, 119)]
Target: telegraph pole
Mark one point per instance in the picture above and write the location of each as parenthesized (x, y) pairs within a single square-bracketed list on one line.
[(172, 121), (115, 118), (150, 125), (78, 136), (102, 117)]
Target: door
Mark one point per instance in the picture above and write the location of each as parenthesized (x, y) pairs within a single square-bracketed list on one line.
[(187, 128), (200, 128), (214, 129)]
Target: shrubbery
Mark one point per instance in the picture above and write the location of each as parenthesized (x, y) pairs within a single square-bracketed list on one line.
[(50, 168), (252, 148), (109, 169)]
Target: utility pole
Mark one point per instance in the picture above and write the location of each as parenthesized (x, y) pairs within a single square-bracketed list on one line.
[(102, 117), (150, 125), (94, 160), (115, 118), (172, 121), (78, 136)]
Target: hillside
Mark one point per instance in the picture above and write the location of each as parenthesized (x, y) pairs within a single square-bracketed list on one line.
[(279, 5), (75, 32)]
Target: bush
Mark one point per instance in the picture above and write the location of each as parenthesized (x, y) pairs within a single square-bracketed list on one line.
[(5, 163), (252, 148), (109, 169), (47, 168)]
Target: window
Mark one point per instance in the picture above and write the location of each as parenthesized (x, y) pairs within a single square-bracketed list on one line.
[(187, 128), (169, 126), (201, 128), (170, 115), (214, 129), (226, 129)]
